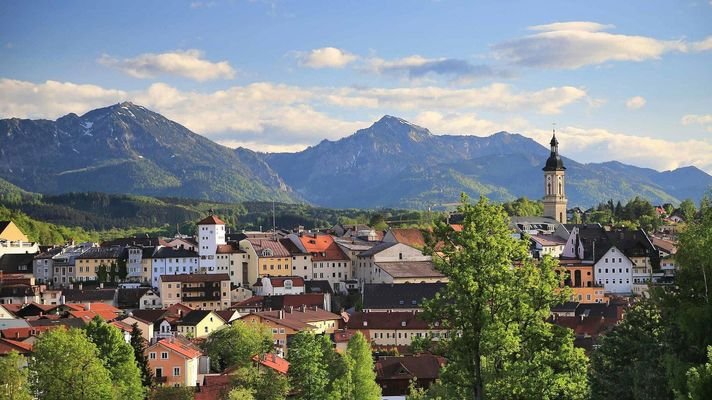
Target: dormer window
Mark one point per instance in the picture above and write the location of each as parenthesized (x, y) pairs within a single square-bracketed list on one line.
[(402, 323), (288, 284), (267, 253)]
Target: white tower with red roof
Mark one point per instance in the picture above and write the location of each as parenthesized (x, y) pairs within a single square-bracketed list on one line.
[(211, 234)]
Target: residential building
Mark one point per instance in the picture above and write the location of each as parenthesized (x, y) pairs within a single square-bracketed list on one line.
[(329, 262), (133, 256), (197, 291), (265, 257), (174, 362), (286, 323), (301, 260), (211, 234), (229, 260), (279, 285), (397, 328), (87, 264), (150, 300), (147, 264), (547, 245), (396, 263), (43, 265), (20, 265), (580, 278), (170, 261), (283, 302), (199, 324), (412, 237), (395, 374), (13, 241), (64, 263)]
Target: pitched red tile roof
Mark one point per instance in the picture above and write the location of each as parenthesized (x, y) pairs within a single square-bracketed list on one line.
[(211, 220), (410, 236), (229, 248), (276, 363), (7, 346), (278, 281), (323, 248), (277, 248), (179, 347)]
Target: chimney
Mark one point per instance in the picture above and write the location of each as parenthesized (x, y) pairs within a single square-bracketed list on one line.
[(87, 307), (101, 285), (61, 300), (281, 314), (81, 286)]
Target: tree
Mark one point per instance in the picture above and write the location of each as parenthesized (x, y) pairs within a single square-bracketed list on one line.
[(123, 271), (138, 343), (113, 271), (101, 273), (236, 344), (497, 300), (686, 307), (308, 375), (688, 210), (66, 365), (13, 377), (118, 358), (241, 393), (363, 375), (699, 379), (629, 364), (172, 393)]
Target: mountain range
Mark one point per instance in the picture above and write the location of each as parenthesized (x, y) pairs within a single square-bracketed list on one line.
[(126, 148)]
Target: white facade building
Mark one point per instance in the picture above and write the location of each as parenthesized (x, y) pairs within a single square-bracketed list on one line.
[(614, 271), (211, 234), (169, 261)]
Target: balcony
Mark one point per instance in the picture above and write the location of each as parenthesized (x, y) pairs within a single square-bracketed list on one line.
[(160, 379)]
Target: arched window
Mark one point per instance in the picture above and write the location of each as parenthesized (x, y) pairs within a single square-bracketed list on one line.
[(267, 253)]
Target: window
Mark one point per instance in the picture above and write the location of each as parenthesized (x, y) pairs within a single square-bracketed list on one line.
[(176, 371), (152, 355), (164, 355)]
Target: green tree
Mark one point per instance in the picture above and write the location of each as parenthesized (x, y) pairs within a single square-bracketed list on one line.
[(523, 207), (172, 393), (235, 345), (308, 375), (497, 300), (13, 377), (138, 343), (66, 365), (118, 358), (629, 364), (113, 271), (101, 273), (122, 271), (364, 377), (241, 393), (685, 306), (699, 379), (688, 210)]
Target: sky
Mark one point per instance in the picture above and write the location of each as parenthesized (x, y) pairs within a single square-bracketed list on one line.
[(618, 80)]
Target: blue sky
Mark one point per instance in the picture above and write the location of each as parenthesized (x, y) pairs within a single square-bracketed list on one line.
[(630, 81)]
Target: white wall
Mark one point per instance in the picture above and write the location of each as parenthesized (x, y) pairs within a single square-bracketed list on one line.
[(615, 272)]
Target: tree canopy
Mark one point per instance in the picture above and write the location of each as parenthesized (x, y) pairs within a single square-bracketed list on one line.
[(497, 300), (235, 345), (66, 365)]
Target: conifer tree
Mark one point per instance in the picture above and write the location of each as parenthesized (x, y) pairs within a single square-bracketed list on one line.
[(138, 343)]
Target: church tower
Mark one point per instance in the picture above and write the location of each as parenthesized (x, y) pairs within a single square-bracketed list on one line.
[(554, 194)]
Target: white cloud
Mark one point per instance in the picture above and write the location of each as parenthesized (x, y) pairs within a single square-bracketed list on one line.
[(695, 119), (599, 145), (635, 102), (702, 45), (326, 57), (52, 99), (575, 44), (497, 96), (188, 64), (465, 124)]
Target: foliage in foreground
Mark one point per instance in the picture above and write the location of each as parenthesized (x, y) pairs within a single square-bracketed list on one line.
[(498, 300)]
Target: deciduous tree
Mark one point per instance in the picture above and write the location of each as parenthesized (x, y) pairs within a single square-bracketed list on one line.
[(236, 344), (308, 375), (13, 377), (496, 304), (66, 365)]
